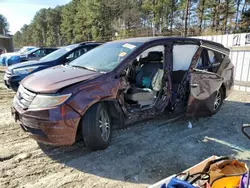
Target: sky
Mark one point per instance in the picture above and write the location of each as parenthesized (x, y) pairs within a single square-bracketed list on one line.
[(20, 12)]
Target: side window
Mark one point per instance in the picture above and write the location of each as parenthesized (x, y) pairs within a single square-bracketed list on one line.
[(210, 60), (203, 61), (215, 58), (36, 53), (42, 53), (70, 57), (75, 54), (144, 54), (182, 56), (82, 51), (211, 57), (48, 51), (199, 64)]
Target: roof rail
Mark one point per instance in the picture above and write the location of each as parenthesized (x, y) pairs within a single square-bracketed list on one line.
[(85, 42)]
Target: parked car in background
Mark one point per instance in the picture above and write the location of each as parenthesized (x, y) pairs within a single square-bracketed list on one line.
[(34, 54), (123, 81), (15, 73), (22, 51)]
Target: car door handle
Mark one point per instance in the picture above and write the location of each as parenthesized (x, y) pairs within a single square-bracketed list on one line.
[(194, 85)]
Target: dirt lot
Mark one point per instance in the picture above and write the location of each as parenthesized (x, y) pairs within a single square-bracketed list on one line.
[(139, 155)]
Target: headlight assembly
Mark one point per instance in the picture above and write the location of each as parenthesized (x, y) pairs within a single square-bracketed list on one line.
[(23, 70), (46, 101)]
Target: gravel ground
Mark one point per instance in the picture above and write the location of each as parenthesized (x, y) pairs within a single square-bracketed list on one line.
[(139, 155)]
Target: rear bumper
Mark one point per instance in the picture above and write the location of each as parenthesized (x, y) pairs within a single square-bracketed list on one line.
[(57, 126)]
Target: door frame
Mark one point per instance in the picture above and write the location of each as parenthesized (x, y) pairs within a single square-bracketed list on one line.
[(165, 93)]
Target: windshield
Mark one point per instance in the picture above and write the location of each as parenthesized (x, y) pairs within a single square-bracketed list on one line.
[(58, 53), (105, 57), (24, 50), (31, 51)]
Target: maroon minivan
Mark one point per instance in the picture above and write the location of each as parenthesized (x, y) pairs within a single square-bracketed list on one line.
[(120, 81)]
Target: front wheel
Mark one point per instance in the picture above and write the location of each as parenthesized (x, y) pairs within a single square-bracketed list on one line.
[(218, 101), (96, 127)]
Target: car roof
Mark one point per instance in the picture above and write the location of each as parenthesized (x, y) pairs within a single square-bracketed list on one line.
[(29, 46), (151, 39), (72, 46), (90, 42), (46, 47), (49, 47), (38, 48)]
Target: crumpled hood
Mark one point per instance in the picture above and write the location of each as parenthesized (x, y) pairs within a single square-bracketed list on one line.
[(53, 79)]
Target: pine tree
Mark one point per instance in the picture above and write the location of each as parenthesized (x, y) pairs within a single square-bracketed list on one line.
[(4, 25)]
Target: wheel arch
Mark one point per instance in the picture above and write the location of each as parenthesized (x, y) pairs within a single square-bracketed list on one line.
[(115, 111)]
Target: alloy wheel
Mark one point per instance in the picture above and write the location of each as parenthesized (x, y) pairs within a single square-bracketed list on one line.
[(104, 124), (217, 101)]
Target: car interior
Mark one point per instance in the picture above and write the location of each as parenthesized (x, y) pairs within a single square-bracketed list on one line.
[(145, 77), (146, 73)]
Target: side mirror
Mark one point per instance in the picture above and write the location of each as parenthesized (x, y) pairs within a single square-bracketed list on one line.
[(33, 55), (67, 59), (122, 74)]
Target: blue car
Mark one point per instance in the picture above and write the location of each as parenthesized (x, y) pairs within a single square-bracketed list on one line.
[(34, 54), (22, 52), (15, 73)]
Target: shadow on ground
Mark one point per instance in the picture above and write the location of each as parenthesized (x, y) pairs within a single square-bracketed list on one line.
[(151, 150)]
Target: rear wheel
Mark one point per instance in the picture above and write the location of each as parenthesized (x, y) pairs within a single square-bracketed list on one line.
[(96, 127), (218, 101)]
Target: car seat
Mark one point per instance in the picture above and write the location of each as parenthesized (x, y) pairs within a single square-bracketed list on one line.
[(143, 81)]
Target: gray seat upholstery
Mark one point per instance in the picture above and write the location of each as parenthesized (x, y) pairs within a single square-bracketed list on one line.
[(143, 85), (140, 94)]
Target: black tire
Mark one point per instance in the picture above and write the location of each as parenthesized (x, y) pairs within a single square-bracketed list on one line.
[(218, 106), (93, 134)]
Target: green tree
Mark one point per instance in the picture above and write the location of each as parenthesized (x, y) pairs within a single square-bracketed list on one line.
[(54, 20), (200, 13), (173, 8), (18, 39), (186, 17), (41, 25), (244, 24), (69, 12), (226, 13), (27, 35), (4, 25), (83, 21), (237, 2)]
